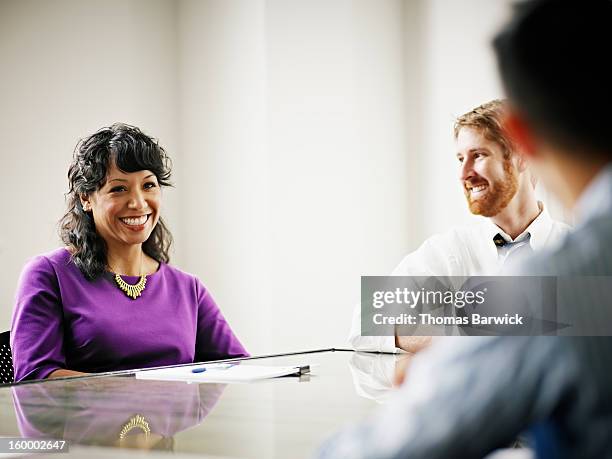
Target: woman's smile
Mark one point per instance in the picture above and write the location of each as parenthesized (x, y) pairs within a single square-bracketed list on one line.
[(135, 223)]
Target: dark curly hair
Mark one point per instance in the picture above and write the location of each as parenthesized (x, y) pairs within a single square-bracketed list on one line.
[(130, 150)]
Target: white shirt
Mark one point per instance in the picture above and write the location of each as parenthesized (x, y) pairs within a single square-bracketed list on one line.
[(462, 251)]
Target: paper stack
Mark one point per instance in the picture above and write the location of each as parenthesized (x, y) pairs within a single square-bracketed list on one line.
[(221, 373)]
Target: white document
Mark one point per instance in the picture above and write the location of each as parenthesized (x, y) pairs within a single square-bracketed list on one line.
[(221, 373)]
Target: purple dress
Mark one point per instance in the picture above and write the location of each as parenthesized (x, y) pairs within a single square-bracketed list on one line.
[(61, 320)]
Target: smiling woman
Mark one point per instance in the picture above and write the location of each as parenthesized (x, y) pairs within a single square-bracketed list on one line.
[(109, 300)]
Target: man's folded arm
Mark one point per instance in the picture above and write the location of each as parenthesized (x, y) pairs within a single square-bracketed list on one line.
[(368, 343), (430, 259)]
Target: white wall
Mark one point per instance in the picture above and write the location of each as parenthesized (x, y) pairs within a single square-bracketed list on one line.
[(340, 172), (292, 117), (224, 199), (311, 139)]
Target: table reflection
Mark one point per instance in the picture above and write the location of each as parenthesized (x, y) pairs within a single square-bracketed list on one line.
[(120, 411)]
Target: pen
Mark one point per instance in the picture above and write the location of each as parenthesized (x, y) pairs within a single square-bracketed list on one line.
[(220, 366)]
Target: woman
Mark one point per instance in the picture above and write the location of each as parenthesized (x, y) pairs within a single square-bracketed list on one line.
[(109, 300)]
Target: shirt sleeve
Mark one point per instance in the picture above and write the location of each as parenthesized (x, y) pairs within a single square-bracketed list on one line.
[(215, 339), (430, 259), (369, 343), (37, 332), (433, 258), (465, 399), (373, 375)]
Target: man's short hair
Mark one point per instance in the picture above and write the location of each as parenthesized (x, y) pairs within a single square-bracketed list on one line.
[(553, 57), (488, 120)]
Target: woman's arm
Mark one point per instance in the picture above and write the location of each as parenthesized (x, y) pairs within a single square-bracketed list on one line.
[(61, 373), (37, 332), (215, 339)]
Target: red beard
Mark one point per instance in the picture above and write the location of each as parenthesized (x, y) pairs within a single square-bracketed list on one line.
[(497, 196)]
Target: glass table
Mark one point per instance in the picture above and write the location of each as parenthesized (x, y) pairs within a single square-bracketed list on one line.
[(285, 417)]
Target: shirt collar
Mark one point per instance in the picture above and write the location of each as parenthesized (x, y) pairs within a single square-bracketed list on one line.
[(539, 229), (596, 199)]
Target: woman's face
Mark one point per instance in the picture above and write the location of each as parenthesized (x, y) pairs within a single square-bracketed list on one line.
[(126, 209)]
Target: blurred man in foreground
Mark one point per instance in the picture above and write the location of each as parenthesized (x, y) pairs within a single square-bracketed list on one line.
[(475, 397)]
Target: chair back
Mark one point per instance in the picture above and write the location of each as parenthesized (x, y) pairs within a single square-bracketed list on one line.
[(6, 360)]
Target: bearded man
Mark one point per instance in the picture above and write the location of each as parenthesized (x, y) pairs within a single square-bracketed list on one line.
[(499, 186)]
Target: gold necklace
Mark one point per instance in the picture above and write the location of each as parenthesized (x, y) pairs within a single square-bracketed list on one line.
[(133, 291), (136, 422)]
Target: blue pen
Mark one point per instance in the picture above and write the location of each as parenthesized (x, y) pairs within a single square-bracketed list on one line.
[(220, 366)]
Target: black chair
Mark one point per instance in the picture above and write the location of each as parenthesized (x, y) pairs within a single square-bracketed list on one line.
[(6, 360)]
